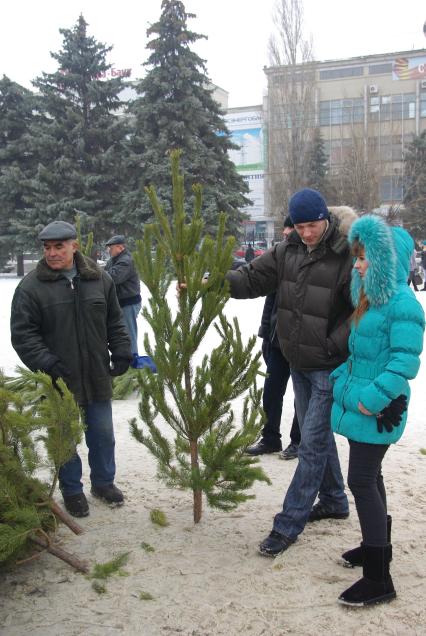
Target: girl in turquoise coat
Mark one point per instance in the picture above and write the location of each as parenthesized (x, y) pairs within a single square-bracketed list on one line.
[(371, 390)]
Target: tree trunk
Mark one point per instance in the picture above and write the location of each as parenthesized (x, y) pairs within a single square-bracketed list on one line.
[(65, 518), (196, 493), (20, 264), (76, 563)]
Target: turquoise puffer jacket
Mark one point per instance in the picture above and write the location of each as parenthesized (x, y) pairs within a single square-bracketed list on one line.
[(386, 344)]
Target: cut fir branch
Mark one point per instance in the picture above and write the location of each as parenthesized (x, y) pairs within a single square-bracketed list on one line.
[(32, 410), (207, 454)]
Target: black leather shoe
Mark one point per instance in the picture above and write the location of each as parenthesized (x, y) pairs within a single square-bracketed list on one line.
[(275, 544), (111, 494), (76, 505), (291, 452), (261, 448), (319, 512)]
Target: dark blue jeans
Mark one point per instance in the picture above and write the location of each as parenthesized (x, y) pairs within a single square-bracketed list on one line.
[(274, 389), (318, 469), (130, 314), (101, 443)]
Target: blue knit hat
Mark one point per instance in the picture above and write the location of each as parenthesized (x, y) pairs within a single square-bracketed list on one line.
[(307, 205)]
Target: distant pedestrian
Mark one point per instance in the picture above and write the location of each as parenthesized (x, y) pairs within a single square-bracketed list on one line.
[(249, 255), (413, 271), (123, 272)]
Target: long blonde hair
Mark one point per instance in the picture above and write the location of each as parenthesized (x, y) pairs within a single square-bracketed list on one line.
[(363, 304)]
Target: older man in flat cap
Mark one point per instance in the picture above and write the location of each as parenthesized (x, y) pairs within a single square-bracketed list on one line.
[(66, 321), (122, 271)]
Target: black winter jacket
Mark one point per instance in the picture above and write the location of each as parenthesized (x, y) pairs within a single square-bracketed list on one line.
[(122, 271), (77, 324), (313, 296)]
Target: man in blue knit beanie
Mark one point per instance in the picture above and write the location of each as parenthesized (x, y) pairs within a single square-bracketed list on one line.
[(310, 274)]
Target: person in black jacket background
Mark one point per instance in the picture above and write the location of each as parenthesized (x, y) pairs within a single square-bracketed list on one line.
[(274, 388), (66, 321), (122, 271)]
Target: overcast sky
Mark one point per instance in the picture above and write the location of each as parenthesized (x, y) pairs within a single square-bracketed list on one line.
[(237, 31)]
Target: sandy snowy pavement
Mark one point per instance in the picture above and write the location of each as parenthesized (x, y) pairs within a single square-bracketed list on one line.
[(209, 579)]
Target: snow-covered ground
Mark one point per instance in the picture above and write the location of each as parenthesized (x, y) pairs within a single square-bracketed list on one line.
[(208, 579)]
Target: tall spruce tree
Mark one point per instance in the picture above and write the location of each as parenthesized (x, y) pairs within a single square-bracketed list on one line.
[(176, 110), (17, 163), (207, 454), (415, 186), (78, 137)]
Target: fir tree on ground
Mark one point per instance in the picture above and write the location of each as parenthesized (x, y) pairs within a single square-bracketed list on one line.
[(17, 164), (414, 216), (40, 426), (176, 110), (207, 454), (78, 137)]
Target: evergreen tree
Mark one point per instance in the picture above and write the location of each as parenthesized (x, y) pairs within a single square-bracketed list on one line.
[(415, 186), (16, 163), (208, 454), (317, 166), (79, 137), (33, 410), (175, 110)]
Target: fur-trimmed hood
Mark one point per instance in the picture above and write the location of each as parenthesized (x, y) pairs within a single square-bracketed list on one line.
[(387, 250)]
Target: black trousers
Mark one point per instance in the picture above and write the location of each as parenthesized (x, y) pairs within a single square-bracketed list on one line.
[(366, 483), (278, 371)]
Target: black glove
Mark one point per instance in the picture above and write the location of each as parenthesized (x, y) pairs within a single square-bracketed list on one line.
[(119, 366), (57, 371), (391, 415)]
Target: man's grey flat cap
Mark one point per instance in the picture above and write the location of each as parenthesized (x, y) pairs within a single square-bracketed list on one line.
[(58, 231), (119, 239)]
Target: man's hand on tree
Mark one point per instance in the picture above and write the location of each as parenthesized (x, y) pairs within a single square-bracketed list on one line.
[(58, 370)]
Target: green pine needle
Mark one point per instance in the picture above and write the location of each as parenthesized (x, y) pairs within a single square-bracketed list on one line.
[(159, 518), (147, 547), (105, 570)]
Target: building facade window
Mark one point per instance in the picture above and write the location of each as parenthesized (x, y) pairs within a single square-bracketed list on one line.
[(380, 69), (423, 104), (341, 111), (392, 107), (338, 73), (391, 188)]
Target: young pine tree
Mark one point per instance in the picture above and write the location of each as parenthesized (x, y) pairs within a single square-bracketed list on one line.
[(207, 452), (175, 110), (78, 136)]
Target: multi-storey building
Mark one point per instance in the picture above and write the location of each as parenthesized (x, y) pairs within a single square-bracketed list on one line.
[(378, 99)]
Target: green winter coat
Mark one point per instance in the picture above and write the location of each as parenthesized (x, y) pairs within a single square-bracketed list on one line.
[(386, 344), (77, 324)]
